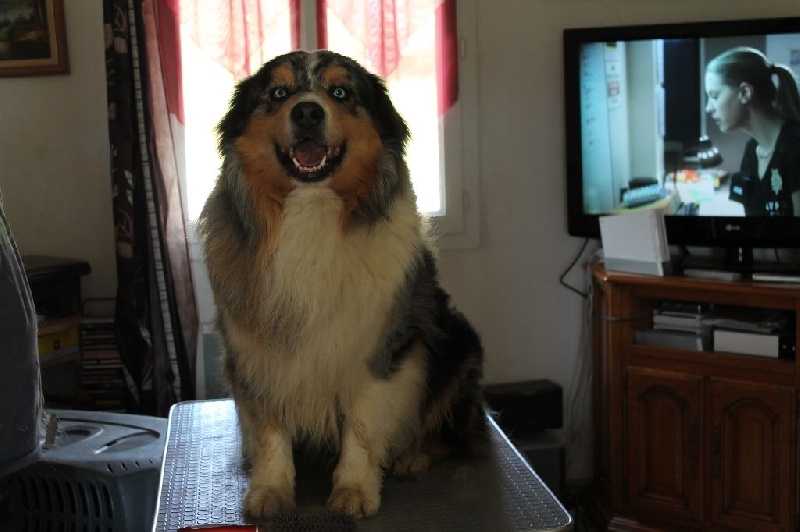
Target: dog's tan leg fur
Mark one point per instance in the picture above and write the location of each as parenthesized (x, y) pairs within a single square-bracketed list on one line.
[(369, 434), (269, 448)]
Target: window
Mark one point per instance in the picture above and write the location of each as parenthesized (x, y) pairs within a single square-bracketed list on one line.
[(442, 154)]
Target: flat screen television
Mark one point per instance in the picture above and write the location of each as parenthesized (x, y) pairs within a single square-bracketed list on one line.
[(638, 136)]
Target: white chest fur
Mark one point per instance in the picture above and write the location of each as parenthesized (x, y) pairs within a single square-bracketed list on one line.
[(326, 299), (337, 276)]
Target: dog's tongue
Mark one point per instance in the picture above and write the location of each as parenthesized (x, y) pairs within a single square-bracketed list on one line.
[(310, 153)]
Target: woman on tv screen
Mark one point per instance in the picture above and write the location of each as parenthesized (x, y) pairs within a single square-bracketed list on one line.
[(743, 96)]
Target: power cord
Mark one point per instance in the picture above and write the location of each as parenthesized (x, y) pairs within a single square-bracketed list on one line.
[(562, 277), (578, 427)]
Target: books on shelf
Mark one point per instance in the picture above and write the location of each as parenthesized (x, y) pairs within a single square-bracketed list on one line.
[(101, 374), (696, 315), (724, 328)]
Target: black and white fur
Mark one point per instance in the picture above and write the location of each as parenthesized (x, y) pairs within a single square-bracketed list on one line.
[(336, 330)]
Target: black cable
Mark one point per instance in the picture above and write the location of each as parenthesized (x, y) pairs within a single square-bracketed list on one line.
[(569, 268)]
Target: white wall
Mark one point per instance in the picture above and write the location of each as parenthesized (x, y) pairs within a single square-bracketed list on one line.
[(509, 287), (54, 155), (55, 175)]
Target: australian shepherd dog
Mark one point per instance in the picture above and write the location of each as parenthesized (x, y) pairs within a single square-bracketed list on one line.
[(335, 329)]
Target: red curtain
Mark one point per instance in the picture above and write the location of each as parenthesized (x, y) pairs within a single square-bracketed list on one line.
[(232, 31), (447, 54), (168, 32), (156, 319)]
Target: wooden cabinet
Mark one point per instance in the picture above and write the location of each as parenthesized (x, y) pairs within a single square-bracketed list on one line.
[(664, 416), (752, 444), (688, 440)]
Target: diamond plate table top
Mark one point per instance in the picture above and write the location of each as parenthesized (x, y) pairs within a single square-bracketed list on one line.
[(203, 481)]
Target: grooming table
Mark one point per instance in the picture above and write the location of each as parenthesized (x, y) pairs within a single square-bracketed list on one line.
[(203, 482)]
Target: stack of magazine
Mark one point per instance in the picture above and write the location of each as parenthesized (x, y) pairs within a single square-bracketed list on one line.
[(724, 328)]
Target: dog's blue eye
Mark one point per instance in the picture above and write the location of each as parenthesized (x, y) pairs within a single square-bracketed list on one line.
[(279, 93), (339, 93)]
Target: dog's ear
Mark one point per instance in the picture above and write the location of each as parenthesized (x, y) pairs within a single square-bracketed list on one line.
[(244, 100), (391, 125)]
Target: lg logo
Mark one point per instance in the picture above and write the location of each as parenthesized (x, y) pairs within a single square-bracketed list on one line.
[(731, 228)]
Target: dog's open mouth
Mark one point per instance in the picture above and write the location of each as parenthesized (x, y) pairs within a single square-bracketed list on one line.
[(308, 160)]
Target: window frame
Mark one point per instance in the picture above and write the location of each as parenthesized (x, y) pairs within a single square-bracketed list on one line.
[(458, 227)]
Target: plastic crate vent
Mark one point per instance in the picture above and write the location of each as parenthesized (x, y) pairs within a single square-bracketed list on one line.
[(50, 504), (101, 475)]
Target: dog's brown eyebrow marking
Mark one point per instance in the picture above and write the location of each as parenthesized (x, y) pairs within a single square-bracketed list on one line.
[(283, 75), (335, 75)]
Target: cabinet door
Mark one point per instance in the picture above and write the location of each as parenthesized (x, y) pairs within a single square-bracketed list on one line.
[(752, 468), (665, 461)]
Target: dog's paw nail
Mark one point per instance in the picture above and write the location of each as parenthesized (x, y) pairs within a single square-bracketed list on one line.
[(262, 501), (354, 502)]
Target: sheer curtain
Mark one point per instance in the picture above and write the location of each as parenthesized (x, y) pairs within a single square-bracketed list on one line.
[(409, 42), (240, 35), (385, 29), (155, 315), (234, 32)]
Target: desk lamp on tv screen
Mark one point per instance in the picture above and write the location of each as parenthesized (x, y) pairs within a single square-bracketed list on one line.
[(654, 120)]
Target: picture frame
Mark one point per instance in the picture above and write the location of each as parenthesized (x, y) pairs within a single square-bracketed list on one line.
[(33, 39)]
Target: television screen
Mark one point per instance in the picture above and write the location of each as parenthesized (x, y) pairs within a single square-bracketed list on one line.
[(647, 128)]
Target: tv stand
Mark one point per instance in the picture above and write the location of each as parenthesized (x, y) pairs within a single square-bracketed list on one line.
[(689, 440), (739, 260)]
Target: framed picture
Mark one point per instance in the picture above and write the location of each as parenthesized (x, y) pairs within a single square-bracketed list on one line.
[(33, 39)]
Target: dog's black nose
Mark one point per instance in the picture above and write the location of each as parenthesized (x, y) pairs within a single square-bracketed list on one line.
[(307, 114)]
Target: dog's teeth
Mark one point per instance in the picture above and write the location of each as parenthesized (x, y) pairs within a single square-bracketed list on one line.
[(330, 152), (309, 169)]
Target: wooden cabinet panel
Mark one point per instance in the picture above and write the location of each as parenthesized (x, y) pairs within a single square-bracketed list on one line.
[(753, 438), (664, 460), (690, 440)]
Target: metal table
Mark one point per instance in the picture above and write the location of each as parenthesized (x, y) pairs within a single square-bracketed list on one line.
[(203, 482)]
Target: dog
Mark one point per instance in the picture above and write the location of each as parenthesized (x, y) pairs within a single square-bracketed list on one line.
[(335, 329)]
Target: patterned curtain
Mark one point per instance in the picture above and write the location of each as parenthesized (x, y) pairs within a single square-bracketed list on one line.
[(156, 315)]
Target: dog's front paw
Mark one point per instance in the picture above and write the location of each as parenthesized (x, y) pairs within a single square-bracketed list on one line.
[(355, 501), (262, 501), (411, 463)]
